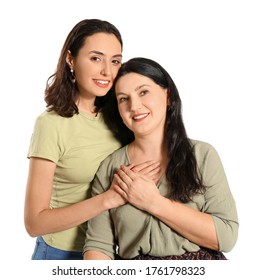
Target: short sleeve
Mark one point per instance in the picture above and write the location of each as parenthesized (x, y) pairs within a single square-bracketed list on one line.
[(45, 140)]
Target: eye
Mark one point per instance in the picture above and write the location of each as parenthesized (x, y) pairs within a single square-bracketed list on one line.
[(122, 99), (143, 92), (116, 61), (95, 58)]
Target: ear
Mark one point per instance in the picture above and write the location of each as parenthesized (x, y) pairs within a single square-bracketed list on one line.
[(69, 59)]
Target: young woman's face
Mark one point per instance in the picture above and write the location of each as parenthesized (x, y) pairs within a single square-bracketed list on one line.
[(142, 103), (97, 64)]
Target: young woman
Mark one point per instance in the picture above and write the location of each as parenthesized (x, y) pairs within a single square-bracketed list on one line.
[(70, 140), (190, 212)]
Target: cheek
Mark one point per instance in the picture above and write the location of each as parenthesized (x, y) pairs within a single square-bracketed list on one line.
[(85, 69), (158, 107), (81, 73), (159, 103), (123, 113), (155, 104), (115, 71)]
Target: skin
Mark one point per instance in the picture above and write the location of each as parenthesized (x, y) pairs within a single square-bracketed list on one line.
[(95, 67), (142, 106)]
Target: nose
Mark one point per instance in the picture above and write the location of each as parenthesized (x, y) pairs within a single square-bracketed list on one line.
[(106, 69), (135, 104)]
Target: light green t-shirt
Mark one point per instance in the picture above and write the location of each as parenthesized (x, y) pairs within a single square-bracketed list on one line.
[(135, 232), (77, 145)]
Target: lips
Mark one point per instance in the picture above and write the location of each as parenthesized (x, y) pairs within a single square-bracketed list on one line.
[(102, 83), (140, 117)]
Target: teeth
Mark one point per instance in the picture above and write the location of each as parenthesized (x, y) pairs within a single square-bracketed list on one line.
[(103, 82), (140, 116)]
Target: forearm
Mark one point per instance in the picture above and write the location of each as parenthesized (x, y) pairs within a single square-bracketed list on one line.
[(95, 255), (196, 226), (60, 219)]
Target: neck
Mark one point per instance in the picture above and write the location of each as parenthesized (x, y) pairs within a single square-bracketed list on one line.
[(86, 105), (144, 149)]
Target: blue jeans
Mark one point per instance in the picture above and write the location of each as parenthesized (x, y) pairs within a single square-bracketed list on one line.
[(43, 251)]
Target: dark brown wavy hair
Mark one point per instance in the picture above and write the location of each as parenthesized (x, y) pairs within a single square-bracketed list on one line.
[(61, 93), (182, 170)]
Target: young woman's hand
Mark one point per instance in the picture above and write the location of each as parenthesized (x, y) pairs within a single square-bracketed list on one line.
[(114, 198)]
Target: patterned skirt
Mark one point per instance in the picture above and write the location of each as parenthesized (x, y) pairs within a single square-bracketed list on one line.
[(202, 254)]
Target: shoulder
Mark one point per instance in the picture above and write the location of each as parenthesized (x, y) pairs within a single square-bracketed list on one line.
[(201, 146), (49, 117), (116, 158), (113, 161), (50, 120), (206, 154), (203, 150)]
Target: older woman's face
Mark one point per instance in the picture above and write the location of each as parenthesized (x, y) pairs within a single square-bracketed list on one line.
[(142, 104)]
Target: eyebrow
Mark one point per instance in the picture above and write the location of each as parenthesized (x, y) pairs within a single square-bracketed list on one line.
[(139, 87), (101, 53), (136, 89)]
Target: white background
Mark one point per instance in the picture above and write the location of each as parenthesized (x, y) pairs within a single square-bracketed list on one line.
[(208, 47)]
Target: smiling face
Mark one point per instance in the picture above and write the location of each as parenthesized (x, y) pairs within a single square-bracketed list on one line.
[(96, 64), (142, 104)]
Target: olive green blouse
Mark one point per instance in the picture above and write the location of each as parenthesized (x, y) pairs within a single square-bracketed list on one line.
[(128, 231)]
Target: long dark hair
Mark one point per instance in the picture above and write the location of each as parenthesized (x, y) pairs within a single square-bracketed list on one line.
[(61, 92), (182, 171)]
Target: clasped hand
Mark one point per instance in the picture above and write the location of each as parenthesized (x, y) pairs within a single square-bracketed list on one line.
[(137, 186)]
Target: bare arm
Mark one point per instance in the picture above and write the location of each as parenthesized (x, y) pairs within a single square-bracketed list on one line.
[(40, 219)]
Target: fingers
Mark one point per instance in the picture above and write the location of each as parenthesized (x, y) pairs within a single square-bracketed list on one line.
[(121, 192), (147, 168), (151, 169), (125, 173), (124, 178), (121, 187), (131, 166)]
